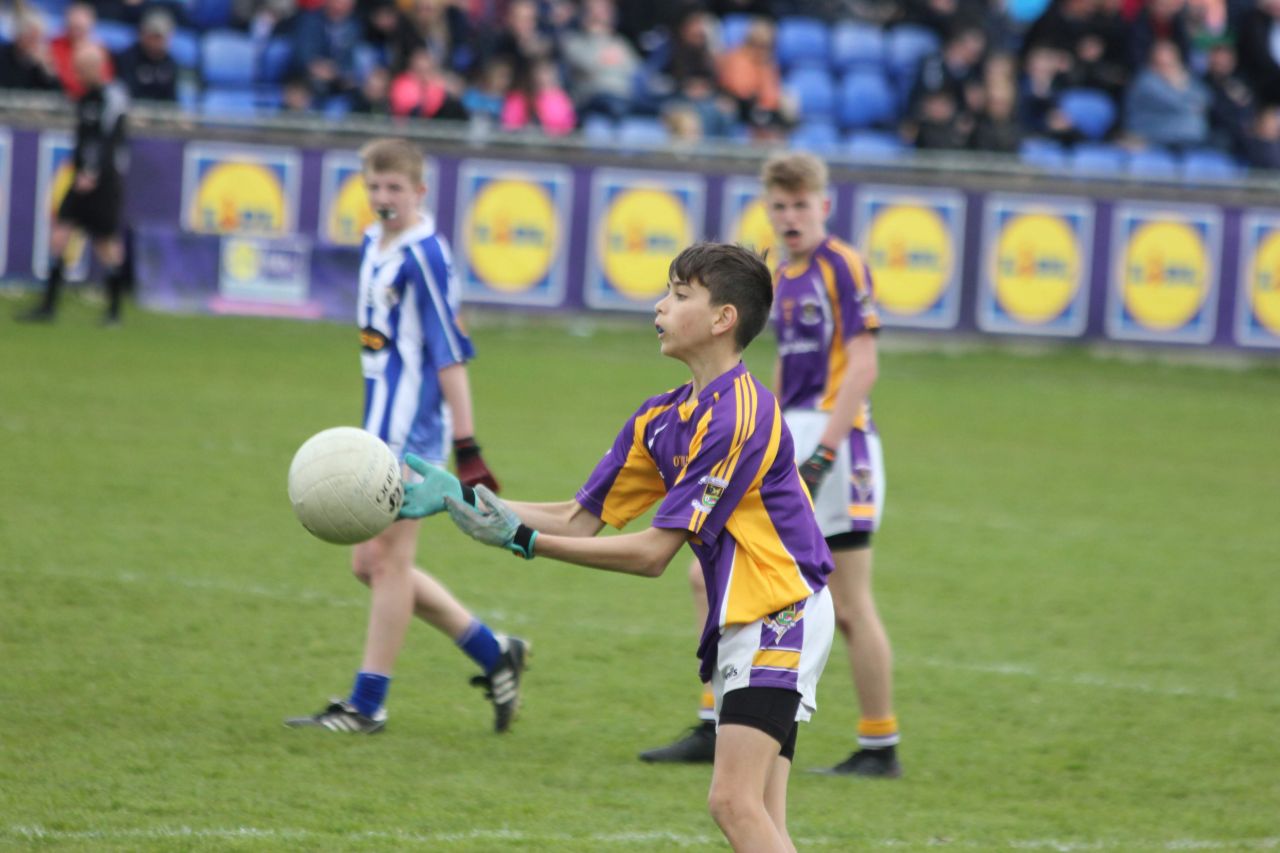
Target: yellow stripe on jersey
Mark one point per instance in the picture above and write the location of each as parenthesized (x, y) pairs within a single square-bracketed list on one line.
[(777, 658), (862, 511), (765, 576), (861, 287), (638, 485), (745, 402), (838, 355)]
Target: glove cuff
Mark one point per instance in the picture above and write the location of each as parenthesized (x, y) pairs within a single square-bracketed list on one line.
[(465, 449), (828, 454), (468, 494), (522, 542)]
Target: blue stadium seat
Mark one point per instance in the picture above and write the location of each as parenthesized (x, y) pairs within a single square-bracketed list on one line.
[(52, 9), (802, 41), (733, 30), (856, 46), (1208, 164), (210, 14), (116, 35), (228, 58), (1091, 111), (819, 137), (1098, 158), (865, 100), (1043, 153), (599, 129), (241, 103), (1153, 162), (277, 56), (905, 46), (815, 91), (184, 47), (337, 107), (642, 131), (874, 145)]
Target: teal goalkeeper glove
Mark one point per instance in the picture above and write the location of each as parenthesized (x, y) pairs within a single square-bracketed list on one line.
[(427, 498), (492, 522)]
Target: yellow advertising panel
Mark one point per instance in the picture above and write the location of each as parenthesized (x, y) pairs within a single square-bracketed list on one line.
[(639, 222), (744, 220), (1164, 273), (511, 232), (1037, 254), (1258, 289), (240, 189), (913, 241)]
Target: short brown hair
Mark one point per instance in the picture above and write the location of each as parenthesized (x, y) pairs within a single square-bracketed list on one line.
[(794, 172), (735, 276), (393, 155)]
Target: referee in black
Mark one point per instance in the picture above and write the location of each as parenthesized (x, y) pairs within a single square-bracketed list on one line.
[(92, 203)]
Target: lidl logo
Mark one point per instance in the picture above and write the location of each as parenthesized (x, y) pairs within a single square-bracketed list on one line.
[(510, 231), (1035, 275), (912, 243), (349, 214), (1258, 290), (641, 221), (1164, 273), (511, 234), (236, 190)]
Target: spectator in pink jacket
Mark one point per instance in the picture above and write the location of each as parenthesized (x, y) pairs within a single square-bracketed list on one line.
[(540, 101), (422, 91)]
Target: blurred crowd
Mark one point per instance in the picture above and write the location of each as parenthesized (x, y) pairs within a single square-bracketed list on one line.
[(1173, 74)]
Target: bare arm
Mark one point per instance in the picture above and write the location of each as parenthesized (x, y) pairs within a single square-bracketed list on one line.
[(646, 553), (456, 389), (567, 518), (859, 377)]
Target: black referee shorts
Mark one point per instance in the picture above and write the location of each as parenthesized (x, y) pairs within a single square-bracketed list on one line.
[(96, 212)]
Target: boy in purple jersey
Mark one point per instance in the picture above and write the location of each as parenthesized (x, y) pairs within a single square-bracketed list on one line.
[(417, 400), (825, 317), (717, 458)]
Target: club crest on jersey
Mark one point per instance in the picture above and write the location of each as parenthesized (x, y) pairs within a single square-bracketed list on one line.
[(784, 620), (712, 491), (390, 296), (371, 340), (862, 480), (788, 309), (810, 312)]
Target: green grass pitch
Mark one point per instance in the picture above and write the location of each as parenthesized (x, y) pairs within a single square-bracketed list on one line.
[(1078, 570)]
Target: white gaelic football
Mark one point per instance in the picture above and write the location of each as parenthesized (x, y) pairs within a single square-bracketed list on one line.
[(345, 486)]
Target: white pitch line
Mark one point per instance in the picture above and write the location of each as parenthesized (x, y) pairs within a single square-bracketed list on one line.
[(305, 596), (37, 832)]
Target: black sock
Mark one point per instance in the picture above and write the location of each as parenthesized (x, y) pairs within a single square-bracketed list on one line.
[(115, 290), (52, 285)]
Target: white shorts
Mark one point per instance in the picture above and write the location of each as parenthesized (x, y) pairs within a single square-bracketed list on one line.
[(852, 496), (787, 649)]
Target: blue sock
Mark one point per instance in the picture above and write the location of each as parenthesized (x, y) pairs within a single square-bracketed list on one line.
[(480, 645), (369, 692)]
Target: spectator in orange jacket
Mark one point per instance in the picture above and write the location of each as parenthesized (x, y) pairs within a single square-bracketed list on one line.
[(78, 23)]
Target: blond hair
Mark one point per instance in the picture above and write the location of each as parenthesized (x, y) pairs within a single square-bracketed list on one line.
[(393, 155), (794, 172)]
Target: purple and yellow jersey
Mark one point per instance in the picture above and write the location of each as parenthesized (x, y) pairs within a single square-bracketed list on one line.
[(817, 308), (723, 467)]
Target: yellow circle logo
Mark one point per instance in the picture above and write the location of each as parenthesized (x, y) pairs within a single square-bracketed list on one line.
[(349, 214), (909, 252), (241, 260), (511, 235), (1165, 275), (239, 197), (754, 231), (1264, 282), (643, 232), (1037, 267)]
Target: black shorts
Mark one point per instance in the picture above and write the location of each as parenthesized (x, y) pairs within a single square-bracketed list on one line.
[(772, 710), (96, 212), (850, 540)]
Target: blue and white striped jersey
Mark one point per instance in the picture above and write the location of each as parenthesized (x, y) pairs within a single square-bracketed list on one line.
[(407, 313)]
